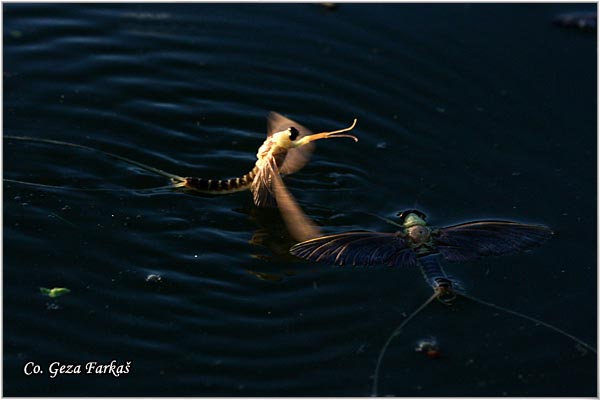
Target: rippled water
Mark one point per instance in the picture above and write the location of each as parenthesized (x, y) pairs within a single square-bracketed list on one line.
[(465, 111)]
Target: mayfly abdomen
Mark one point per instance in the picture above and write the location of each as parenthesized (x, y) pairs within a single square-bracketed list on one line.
[(436, 277), (218, 186), (221, 186)]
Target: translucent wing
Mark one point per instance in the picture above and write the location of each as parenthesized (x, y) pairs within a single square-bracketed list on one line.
[(475, 240), (357, 248), (298, 224), (295, 158), (277, 123), (262, 185)]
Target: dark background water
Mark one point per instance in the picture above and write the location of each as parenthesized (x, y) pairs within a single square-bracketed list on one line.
[(465, 111)]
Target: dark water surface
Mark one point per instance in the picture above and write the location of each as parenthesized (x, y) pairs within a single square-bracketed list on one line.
[(465, 111)]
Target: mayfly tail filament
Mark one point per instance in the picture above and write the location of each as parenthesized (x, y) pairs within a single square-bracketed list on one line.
[(175, 179), (527, 317), (395, 333)]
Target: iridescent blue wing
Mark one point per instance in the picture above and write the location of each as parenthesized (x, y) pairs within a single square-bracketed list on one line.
[(474, 240), (297, 157), (357, 248)]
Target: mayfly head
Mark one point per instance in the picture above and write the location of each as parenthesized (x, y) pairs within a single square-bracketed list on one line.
[(287, 137), (326, 135), (293, 133), (409, 218)]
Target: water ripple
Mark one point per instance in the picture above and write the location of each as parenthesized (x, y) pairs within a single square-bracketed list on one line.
[(463, 111)]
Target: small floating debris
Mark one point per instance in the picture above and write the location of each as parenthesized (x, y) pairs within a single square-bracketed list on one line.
[(330, 6), (361, 348), (266, 276), (52, 306), (580, 20), (54, 292), (429, 347), (153, 278), (66, 221), (146, 15)]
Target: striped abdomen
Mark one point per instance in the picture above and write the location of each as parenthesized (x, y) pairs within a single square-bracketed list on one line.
[(436, 277), (221, 186)]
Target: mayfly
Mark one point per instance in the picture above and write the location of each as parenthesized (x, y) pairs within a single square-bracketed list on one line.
[(286, 150), (417, 244)]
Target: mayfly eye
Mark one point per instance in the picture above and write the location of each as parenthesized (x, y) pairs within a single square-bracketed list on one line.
[(293, 133)]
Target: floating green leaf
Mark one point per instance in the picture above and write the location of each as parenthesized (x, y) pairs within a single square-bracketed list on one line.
[(54, 292)]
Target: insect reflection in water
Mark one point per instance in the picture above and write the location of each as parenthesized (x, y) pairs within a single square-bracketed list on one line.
[(286, 150)]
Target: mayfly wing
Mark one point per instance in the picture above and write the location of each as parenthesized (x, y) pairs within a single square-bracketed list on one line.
[(298, 157), (262, 185), (298, 224), (294, 159), (357, 248), (277, 123), (473, 240)]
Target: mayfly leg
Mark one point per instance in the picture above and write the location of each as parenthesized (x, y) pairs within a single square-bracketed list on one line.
[(176, 180)]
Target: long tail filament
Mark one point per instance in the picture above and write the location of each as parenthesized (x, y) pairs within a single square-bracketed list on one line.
[(176, 180), (395, 333), (438, 293), (534, 320)]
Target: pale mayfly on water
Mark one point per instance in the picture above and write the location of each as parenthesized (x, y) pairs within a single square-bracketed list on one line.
[(286, 150)]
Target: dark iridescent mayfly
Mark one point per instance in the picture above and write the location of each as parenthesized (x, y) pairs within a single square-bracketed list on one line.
[(286, 150), (417, 244)]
